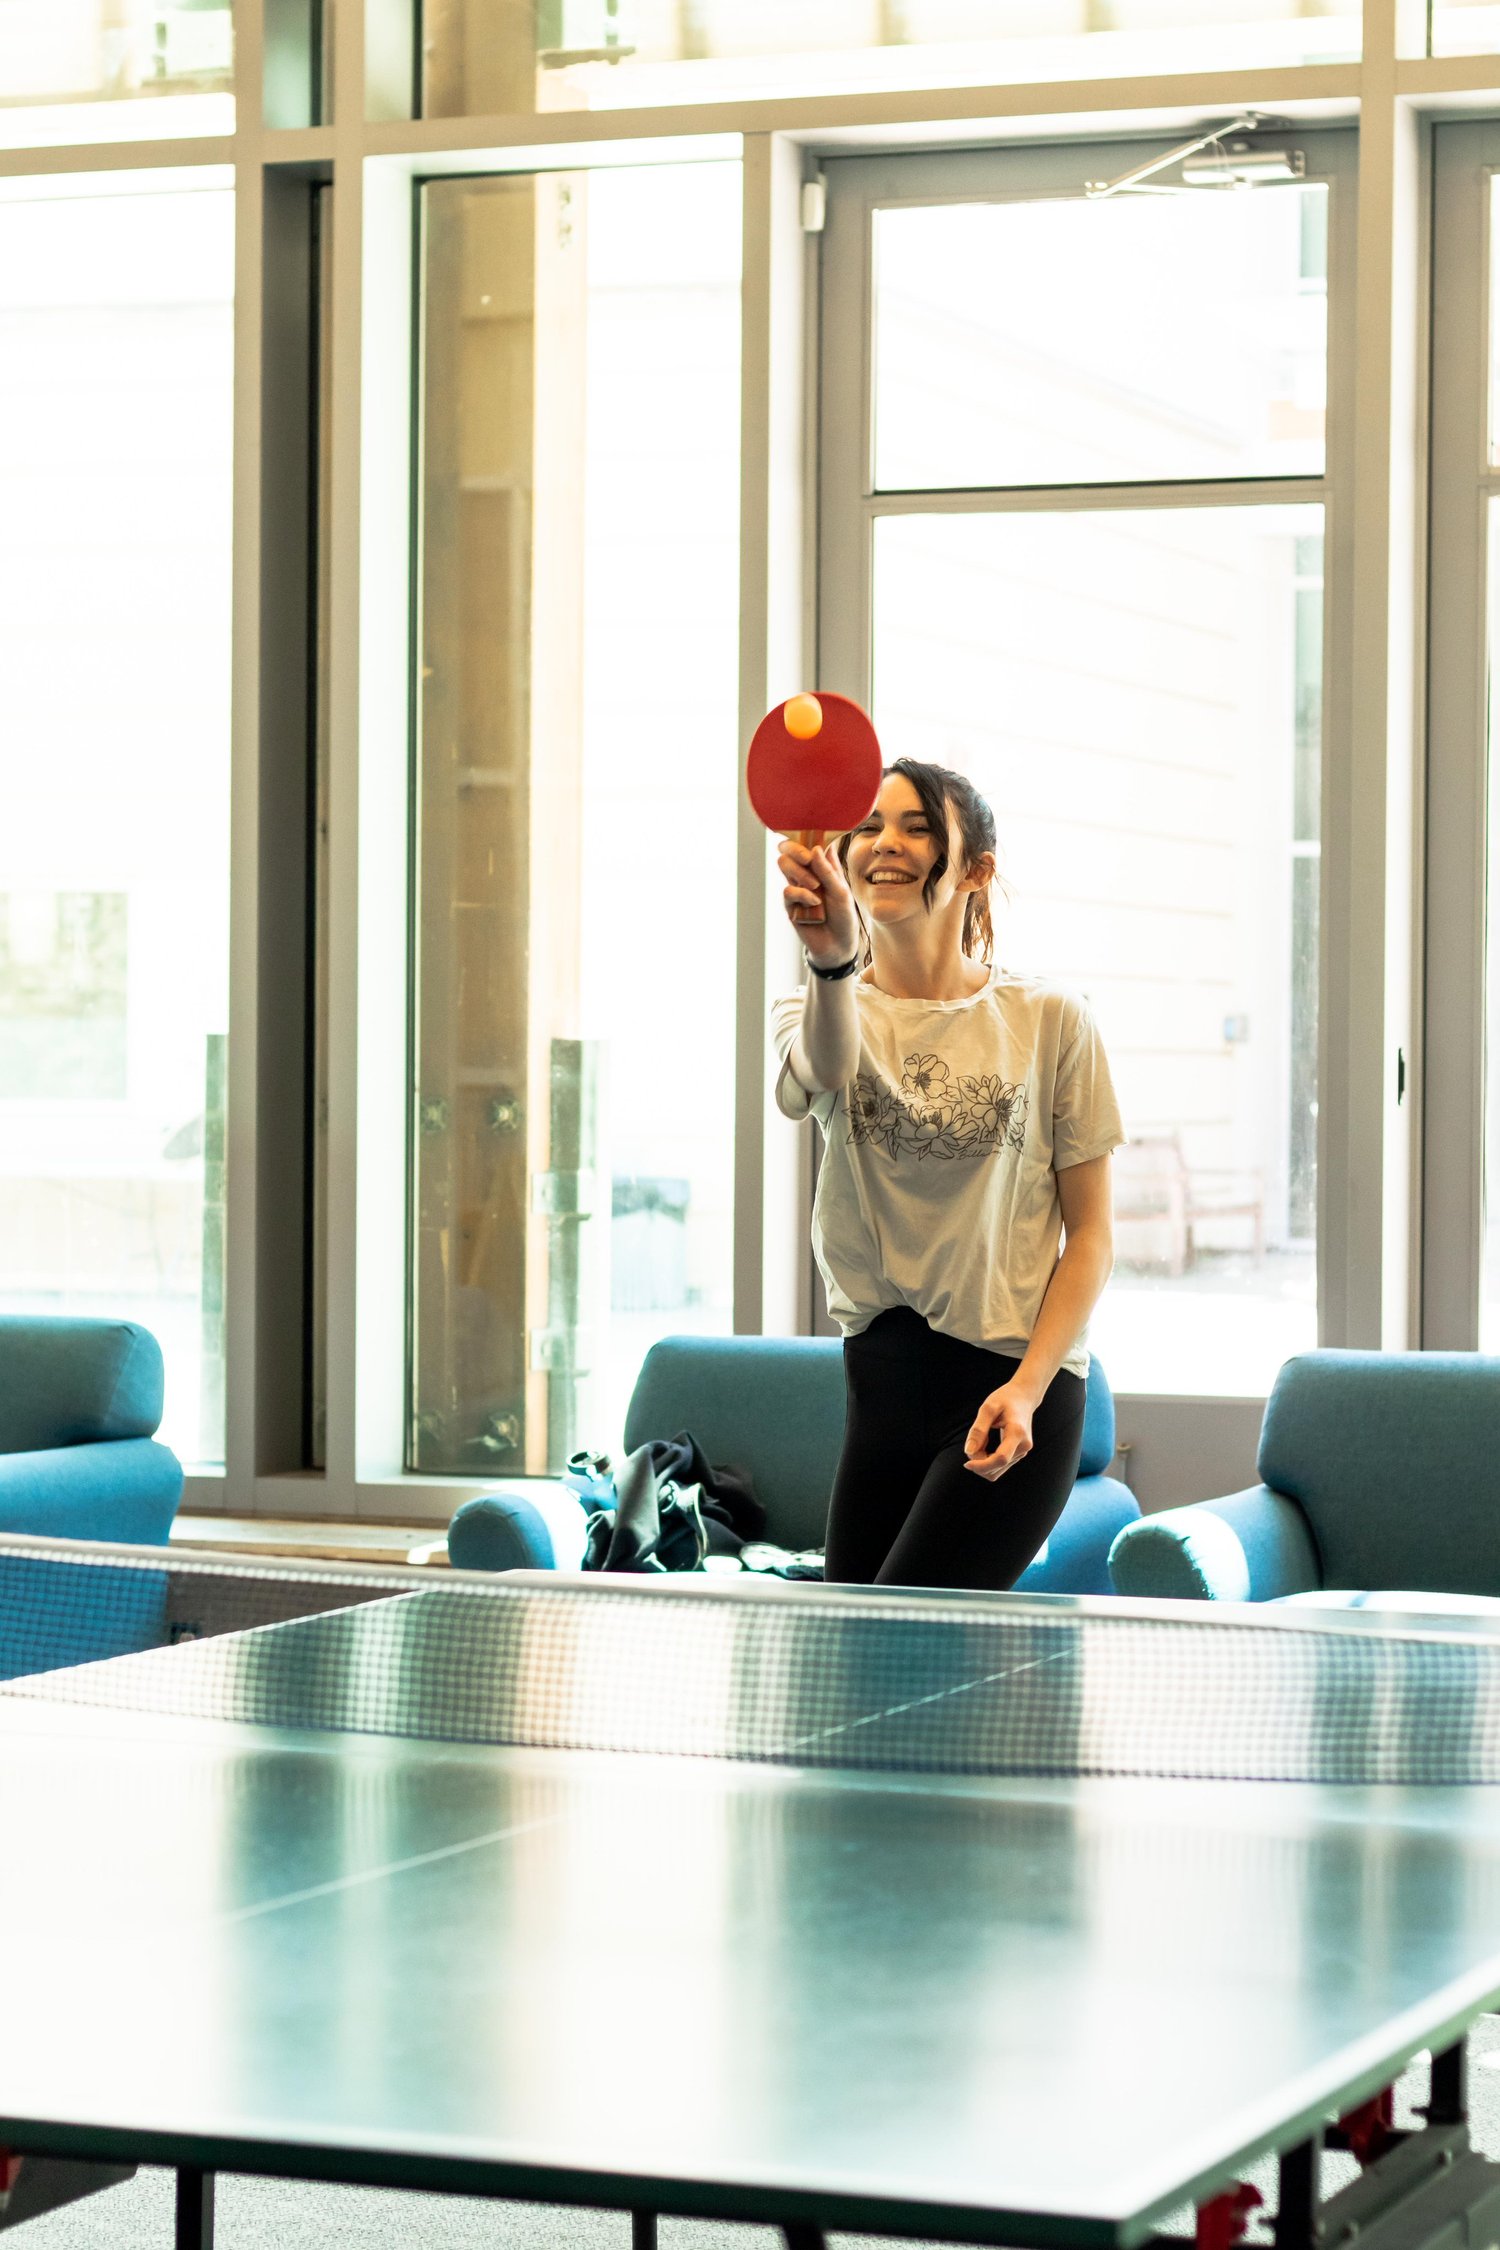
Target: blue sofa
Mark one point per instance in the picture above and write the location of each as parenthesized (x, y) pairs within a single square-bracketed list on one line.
[(774, 1405), (80, 1402), (1377, 1478)]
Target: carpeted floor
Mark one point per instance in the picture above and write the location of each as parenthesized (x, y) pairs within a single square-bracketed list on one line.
[(288, 2215), (276, 2215)]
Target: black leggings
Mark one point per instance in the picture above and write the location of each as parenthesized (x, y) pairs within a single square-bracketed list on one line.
[(905, 1511)]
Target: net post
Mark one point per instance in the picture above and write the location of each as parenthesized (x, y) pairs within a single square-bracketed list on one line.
[(1298, 2225), (195, 2209), (1448, 2097)]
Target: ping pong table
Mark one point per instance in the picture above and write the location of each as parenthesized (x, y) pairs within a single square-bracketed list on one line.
[(972, 1919)]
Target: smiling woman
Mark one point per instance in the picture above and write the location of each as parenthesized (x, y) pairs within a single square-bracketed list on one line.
[(968, 1119)]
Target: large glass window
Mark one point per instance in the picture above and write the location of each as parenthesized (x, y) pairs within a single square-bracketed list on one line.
[(115, 431), (987, 372), (1137, 689), (87, 70), (486, 57), (1463, 27), (576, 783)]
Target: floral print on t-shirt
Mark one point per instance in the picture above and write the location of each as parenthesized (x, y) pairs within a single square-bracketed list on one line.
[(935, 1114)]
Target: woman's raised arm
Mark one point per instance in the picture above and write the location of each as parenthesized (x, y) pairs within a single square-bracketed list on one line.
[(825, 1053)]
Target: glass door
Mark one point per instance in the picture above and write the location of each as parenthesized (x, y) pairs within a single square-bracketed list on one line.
[(1079, 481)]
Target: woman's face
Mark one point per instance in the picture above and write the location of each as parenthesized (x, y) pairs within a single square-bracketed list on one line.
[(892, 854)]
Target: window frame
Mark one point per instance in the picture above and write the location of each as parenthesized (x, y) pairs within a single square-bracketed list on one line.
[(1463, 483)]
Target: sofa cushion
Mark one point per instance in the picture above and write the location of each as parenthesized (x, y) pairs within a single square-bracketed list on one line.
[(76, 1382), (772, 1405), (1394, 1457)]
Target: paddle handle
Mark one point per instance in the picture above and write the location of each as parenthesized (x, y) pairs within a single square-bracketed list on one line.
[(805, 917)]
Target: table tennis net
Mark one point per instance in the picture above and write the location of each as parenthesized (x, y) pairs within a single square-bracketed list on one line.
[(784, 1675)]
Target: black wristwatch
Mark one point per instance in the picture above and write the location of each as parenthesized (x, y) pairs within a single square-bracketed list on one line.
[(831, 976)]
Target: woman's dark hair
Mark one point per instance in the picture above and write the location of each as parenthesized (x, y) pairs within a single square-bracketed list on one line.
[(940, 791)]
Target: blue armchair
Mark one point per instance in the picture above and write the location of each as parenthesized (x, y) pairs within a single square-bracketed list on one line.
[(80, 1401), (1377, 1473), (774, 1405)]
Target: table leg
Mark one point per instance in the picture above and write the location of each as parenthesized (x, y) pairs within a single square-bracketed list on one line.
[(803, 2237), (1298, 2196), (1448, 2100), (643, 2230), (195, 2209)]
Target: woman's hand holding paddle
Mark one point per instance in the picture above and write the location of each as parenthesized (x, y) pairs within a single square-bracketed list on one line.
[(818, 903), (813, 772)]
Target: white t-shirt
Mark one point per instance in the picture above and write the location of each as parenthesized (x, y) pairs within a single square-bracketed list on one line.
[(938, 1186)]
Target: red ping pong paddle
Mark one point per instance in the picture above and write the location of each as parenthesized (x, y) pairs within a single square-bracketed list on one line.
[(813, 771)]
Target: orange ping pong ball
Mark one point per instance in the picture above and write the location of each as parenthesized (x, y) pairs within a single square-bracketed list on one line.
[(804, 717)]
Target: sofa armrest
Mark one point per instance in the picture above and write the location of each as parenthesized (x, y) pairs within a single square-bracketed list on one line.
[(74, 1381), (536, 1523), (1252, 1546), (125, 1491)]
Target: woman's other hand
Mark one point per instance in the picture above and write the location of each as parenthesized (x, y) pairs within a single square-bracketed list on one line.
[(1001, 1435), (814, 880)]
